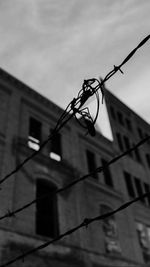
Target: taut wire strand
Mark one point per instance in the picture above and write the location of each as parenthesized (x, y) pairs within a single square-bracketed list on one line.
[(76, 181), (85, 224)]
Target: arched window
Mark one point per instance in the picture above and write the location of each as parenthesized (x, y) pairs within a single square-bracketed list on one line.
[(110, 231), (46, 209)]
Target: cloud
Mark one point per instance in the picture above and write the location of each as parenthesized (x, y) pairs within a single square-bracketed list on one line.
[(136, 94), (55, 44)]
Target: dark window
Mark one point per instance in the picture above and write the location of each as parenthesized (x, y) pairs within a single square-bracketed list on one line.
[(137, 155), (55, 147), (120, 118), (91, 162), (147, 135), (107, 174), (129, 184), (34, 137), (148, 159), (147, 190), (139, 188), (119, 139), (113, 112), (128, 123), (140, 133), (127, 145), (46, 209)]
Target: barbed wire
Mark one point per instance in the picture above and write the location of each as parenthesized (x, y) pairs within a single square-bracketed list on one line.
[(84, 223), (86, 92), (74, 107), (76, 181)]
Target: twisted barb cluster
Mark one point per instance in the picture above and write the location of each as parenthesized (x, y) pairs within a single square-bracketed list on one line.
[(90, 87)]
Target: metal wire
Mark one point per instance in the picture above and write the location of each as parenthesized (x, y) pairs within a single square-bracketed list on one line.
[(65, 117)]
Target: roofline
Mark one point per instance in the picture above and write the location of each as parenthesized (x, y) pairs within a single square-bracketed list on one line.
[(9, 78)]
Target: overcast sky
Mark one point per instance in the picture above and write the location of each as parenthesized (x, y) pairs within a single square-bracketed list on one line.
[(53, 45)]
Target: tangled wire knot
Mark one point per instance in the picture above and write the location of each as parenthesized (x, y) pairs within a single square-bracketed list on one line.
[(90, 87)]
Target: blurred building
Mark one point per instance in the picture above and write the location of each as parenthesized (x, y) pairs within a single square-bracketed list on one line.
[(26, 120)]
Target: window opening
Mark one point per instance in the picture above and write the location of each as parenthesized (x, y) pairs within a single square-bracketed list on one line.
[(120, 118), (137, 155), (127, 145), (129, 125), (119, 141), (129, 184), (139, 188), (107, 174), (148, 159), (34, 136), (55, 148), (91, 161), (147, 189), (46, 209), (140, 133), (126, 141), (113, 113)]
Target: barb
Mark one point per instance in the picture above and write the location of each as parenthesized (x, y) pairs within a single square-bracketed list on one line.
[(85, 224), (118, 68), (97, 170), (75, 105)]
